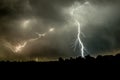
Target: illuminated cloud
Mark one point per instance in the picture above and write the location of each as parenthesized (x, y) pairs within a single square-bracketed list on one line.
[(26, 23), (51, 29)]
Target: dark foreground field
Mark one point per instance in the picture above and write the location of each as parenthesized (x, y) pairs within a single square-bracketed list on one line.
[(88, 60)]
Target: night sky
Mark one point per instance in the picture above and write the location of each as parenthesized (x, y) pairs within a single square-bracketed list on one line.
[(47, 30)]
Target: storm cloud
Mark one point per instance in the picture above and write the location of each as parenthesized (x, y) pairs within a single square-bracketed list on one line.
[(100, 25)]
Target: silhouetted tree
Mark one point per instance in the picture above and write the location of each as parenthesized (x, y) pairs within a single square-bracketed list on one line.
[(61, 59)]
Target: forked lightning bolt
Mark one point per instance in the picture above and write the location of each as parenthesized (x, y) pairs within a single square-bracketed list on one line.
[(78, 40)]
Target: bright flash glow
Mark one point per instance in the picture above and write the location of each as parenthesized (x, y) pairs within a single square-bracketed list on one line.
[(51, 29), (75, 16), (41, 35), (20, 47), (26, 23)]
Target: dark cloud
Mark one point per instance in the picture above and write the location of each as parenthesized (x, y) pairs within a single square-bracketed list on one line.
[(101, 26), (50, 11)]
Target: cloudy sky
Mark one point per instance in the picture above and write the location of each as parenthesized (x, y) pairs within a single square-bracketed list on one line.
[(46, 28)]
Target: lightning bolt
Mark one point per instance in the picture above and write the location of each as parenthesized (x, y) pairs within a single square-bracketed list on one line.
[(20, 46), (78, 40)]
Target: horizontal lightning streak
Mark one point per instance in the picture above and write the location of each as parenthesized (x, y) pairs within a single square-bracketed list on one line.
[(18, 48)]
